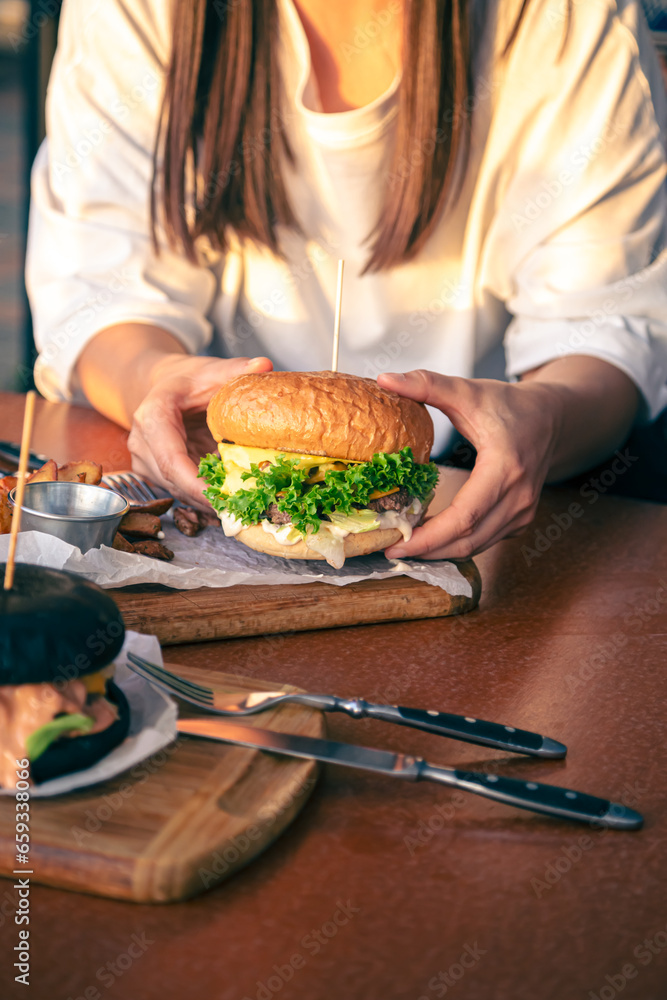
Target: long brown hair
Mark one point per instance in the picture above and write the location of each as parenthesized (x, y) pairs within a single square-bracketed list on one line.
[(222, 95)]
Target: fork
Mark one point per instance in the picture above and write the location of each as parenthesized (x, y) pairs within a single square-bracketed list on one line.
[(136, 489), (488, 734)]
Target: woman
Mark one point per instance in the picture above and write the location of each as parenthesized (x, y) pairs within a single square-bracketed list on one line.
[(492, 171)]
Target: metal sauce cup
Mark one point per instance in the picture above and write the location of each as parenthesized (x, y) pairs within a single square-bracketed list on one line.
[(83, 515)]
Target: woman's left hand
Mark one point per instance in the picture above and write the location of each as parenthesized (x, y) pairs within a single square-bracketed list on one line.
[(514, 428)]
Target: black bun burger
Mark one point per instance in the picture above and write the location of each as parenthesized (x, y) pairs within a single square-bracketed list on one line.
[(59, 706)]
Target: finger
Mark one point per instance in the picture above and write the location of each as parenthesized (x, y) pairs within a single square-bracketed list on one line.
[(199, 385), (475, 514), (486, 538), (455, 397), (158, 439), (505, 535), (425, 386), (226, 368), (146, 465)]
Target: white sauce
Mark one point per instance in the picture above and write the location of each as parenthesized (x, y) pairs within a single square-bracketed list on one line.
[(329, 542), (281, 532), (404, 522), (335, 530), (231, 525)]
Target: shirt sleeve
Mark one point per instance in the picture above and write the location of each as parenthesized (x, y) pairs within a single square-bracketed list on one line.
[(578, 247), (90, 261)]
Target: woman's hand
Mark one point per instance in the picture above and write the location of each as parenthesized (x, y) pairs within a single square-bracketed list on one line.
[(169, 433), (515, 428)]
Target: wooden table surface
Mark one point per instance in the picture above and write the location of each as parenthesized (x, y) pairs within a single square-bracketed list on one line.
[(381, 890)]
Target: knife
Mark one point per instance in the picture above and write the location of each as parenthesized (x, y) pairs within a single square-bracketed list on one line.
[(9, 453), (549, 799)]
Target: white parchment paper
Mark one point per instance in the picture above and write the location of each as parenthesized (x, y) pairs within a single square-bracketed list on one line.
[(152, 724), (212, 560)]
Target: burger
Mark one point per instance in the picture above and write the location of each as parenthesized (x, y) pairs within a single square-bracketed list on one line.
[(59, 707), (317, 465)]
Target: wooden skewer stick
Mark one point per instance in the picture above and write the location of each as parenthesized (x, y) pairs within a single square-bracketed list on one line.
[(28, 415), (339, 299)]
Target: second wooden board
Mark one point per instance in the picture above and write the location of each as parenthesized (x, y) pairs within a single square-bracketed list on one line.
[(177, 823)]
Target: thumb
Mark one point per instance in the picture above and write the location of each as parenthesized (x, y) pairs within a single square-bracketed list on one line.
[(442, 391), (200, 382), (226, 368)]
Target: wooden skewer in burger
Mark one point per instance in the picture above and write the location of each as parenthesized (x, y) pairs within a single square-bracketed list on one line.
[(318, 465), (59, 708)]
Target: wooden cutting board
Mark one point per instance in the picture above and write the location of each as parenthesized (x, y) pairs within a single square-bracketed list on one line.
[(176, 824), (179, 616)]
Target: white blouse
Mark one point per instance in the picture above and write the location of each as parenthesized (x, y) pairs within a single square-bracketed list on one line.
[(556, 244)]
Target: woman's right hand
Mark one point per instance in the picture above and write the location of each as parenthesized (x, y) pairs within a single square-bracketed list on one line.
[(169, 433)]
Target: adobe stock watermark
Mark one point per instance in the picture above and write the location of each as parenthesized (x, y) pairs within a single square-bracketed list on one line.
[(644, 614), (591, 491), (608, 651), (93, 819), (313, 943), (617, 302), (40, 14), (90, 312), (441, 984), (246, 151), (425, 149), (386, 358), (449, 295), (120, 108), (644, 953), (115, 969), (400, 681), (246, 327), (367, 34), (572, 854), (247, 843), (222, 6), (558, 11), (443, 813), (551, 190)]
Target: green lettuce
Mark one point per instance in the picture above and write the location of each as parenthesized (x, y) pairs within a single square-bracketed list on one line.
[(357, 522), (36, 743), (342, 492)]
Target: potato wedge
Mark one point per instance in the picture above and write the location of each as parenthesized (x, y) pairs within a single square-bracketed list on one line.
[(187, 521), (122, 544), (5, 514), (83, 471), (48, 473), (154, 549), (8, 483), (138, 525), (157, 507)]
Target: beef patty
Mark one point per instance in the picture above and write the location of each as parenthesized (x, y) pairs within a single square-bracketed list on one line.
[(393, 501)]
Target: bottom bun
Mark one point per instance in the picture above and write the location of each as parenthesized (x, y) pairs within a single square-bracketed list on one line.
[(76, 753), (362, 544)]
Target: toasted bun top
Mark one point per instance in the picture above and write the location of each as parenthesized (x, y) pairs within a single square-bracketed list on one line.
[(319, 413), (55, 625)]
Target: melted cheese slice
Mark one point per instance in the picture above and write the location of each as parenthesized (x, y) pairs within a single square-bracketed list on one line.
[(96, 683), (237, 459)]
